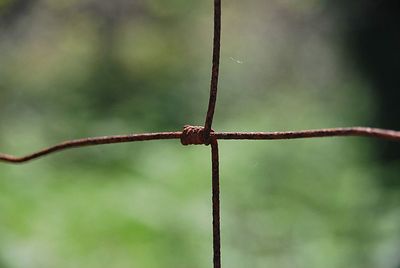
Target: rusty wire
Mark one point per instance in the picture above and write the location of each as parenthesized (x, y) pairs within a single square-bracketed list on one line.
[(214, 70), (215, 204), (283, 135), (205, 135)]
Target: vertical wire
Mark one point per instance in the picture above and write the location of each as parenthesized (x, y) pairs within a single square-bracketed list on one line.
[(215, 205), (214, 71)]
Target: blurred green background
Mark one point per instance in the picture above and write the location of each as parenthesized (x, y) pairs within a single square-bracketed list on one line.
[(77, 68)]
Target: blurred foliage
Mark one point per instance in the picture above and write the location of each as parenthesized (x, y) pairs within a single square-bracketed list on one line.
[(72, 69)]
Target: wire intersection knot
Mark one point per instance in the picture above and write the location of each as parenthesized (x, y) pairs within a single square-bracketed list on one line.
[(194, 135)]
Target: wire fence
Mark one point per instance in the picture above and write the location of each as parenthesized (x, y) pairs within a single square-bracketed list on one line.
[(199, 135)]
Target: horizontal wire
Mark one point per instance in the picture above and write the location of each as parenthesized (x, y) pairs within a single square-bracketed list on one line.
[(330, 132), (313, 133), (91, 142)]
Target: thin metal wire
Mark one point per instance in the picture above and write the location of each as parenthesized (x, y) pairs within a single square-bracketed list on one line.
[(214, 71), (215, 204), (208, 131), (317, 133), (313, 133), (90, 142)]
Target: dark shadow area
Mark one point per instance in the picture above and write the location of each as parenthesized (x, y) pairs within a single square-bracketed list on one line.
[(372, 32)]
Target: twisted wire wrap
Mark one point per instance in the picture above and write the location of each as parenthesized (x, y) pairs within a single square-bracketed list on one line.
[(193, 135)]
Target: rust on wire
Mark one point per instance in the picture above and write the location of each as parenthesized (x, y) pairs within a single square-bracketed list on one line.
[(317, 133), (207, 131), (192, 135), (215, 204), (214, 71), (313, 133), (90, 142)]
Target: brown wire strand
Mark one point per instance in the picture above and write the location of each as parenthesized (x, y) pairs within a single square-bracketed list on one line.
[(317, 133), (214, 71), (215, 204), (314, 133), (90, 142), (207, 131)]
